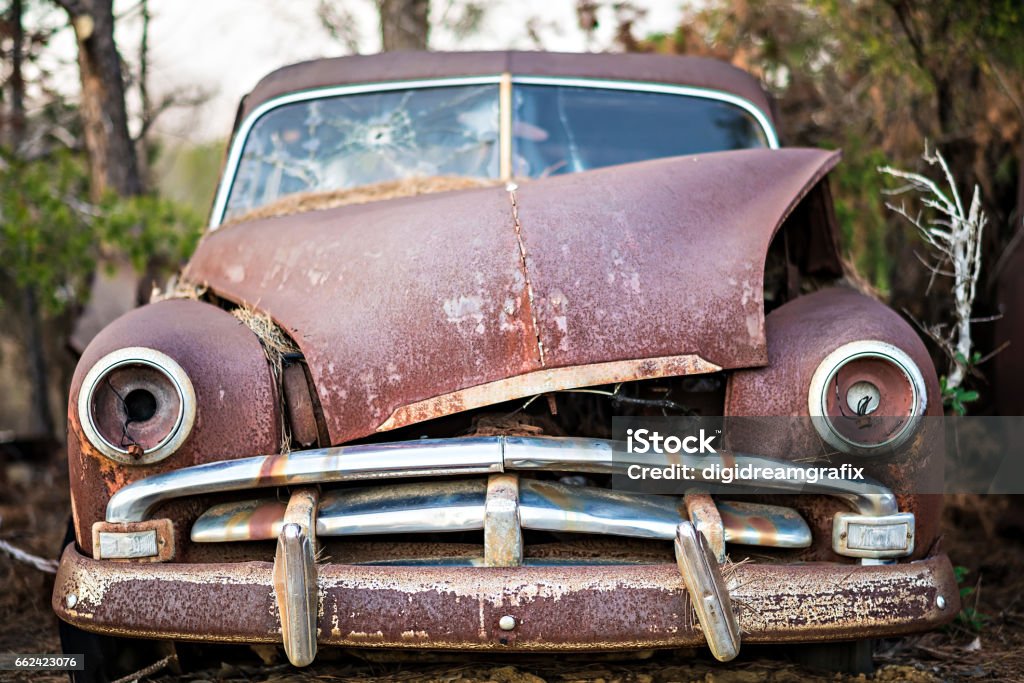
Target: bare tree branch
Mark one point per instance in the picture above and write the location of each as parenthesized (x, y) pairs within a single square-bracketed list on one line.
[(954, 237)]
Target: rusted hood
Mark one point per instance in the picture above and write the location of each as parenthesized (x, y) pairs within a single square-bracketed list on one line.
[(413, 308)]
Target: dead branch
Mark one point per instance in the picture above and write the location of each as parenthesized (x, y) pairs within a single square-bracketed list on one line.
[(954, 239), (153, 668), (40, 563)]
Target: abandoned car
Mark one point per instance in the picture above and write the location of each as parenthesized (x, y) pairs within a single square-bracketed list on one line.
[(376, 410)]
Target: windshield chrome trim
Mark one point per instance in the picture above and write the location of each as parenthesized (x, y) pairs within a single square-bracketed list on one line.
[(240, 136)]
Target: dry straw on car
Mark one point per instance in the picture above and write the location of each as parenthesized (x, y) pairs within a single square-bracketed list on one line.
[(391, 189), (276, 344)]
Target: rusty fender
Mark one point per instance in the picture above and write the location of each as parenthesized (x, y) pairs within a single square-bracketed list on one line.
[(586, 608), (800, 334), (238, 407)]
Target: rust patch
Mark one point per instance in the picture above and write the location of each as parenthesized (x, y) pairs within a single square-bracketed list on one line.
[(543, 381), (703, 513), (503, 537), (265, 520), (528, 299), (578, 608)]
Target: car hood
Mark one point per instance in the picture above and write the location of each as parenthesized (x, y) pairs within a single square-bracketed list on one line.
[(413, 308)]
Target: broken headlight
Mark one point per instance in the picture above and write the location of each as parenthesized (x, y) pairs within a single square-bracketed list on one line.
[(866, 396), (136, 406)]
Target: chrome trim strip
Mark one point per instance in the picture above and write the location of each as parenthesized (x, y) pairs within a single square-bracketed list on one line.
[(438, 457), (547, 506), (162, 363), (238, 141), (595, 455), (825, 373), (448, 457), (445, 506), (405, 508), (747, 523)]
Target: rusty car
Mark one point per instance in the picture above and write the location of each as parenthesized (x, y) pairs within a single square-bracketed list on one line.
[(375, 410)]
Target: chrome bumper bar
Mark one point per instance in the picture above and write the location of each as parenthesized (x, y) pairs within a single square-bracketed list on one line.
[(461, 505), (457, 456)]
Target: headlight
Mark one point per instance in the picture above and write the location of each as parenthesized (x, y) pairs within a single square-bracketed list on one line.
[(866, 395), (136, 406)]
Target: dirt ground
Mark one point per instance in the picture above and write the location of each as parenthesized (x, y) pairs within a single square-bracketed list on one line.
[(987, 643)]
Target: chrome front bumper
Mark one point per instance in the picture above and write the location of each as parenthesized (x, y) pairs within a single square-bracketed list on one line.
[(502, 505)]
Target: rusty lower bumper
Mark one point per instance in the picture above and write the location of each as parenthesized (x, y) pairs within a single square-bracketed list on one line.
[(552, 608)]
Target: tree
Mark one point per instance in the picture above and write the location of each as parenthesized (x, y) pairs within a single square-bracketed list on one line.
[(878, 78), (52, 234), (113, 164), (42, 416), (404, 24)]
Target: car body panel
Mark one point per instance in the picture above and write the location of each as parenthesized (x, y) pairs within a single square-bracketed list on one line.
[(398, 302)]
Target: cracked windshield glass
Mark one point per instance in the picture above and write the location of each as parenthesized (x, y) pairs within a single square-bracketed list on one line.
[(353, 141)]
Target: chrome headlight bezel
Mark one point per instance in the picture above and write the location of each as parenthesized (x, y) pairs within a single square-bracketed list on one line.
[(182, 423), (825, 375)]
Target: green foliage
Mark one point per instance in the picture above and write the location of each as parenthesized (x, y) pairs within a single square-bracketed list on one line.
[(860, 210), (51, 237), (968, 617), (876, 78), (957, 398), (42, 239)]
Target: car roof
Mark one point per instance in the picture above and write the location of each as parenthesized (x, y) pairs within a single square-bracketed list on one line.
[(697, 72)]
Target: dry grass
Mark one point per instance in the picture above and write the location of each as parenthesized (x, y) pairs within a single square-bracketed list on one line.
[(33, 517), (855, 279), (276, 344), (391, 189), (178, 288)]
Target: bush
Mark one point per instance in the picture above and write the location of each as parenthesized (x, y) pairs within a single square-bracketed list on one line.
[(52, 237)]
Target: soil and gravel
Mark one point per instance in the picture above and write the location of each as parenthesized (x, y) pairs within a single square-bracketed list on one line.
[(987, 643)]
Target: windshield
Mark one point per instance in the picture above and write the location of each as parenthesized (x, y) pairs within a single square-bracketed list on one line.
[(347, 141), (565, 129)]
